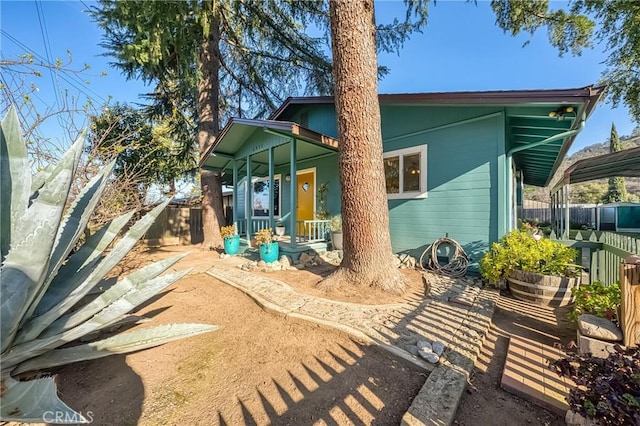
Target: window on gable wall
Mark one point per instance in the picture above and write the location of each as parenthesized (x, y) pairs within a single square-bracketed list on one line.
[(405, 172)]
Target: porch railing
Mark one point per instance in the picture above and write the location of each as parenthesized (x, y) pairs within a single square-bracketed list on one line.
[(602, 252), (312, 230), (306, 230), (255, 225)]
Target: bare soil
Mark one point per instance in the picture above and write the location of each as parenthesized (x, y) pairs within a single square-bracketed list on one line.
[(262, 368)]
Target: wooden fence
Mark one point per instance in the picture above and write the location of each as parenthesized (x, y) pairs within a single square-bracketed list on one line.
[(581, 215), (176, 226), (603, 252)]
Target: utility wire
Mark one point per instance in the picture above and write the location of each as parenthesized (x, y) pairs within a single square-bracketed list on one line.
[(83, 89), (47, 49)]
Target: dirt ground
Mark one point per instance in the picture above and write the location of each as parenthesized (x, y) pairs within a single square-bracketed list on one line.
[(261, 368)]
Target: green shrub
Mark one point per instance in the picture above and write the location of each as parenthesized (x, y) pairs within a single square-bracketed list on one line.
[(597, 299), (520, 250)]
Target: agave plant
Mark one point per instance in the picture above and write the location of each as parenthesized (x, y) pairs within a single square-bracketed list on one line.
[(43, 285)]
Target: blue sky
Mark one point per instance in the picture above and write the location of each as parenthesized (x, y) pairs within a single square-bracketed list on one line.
[(461, 49)]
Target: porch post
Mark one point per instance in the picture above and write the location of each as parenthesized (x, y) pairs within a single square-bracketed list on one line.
[(271, 193), (566, 212), (234, 205), (247, 202), (561, 211), (294, 193)]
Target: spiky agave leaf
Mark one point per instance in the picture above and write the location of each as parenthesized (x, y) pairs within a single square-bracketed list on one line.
[(128, 283), (34, 401), (73, 224), (35, 326), (79, 266), (33, 236), (36, 278), (113, 311), (122, 343), (14, 177)]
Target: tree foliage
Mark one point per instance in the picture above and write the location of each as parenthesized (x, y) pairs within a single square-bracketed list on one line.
[(141, 148), (617, 191), (574, 28)]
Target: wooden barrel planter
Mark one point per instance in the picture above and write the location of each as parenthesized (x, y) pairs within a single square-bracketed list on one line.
[(541, 289)]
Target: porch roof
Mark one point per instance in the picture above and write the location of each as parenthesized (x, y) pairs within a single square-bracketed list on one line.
[(238, 131), (541, 124)]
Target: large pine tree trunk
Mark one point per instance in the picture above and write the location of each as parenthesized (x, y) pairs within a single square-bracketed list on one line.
[(367, 245), (208, 130)]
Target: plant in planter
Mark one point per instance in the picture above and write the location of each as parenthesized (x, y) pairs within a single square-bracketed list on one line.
[(537, 269), (280, 229), (231, 239), (607, 390), (269, 249), (596, 299), (335, 225)]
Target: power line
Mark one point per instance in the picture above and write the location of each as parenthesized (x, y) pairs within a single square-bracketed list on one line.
[(47, 48), (63, 73)]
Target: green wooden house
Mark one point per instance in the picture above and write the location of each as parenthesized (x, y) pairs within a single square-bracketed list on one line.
[(454, 162)]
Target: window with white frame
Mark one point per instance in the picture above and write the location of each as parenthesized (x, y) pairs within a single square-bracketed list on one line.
[(261, 195), (405, 172)]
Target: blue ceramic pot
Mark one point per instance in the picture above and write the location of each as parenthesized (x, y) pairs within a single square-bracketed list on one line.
[(232, 244), (269, 252)]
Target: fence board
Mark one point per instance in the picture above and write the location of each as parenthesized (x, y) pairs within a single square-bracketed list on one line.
[(630, 303)]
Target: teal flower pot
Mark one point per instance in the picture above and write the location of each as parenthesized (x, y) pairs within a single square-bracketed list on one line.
[(269, 252), (232, 244)]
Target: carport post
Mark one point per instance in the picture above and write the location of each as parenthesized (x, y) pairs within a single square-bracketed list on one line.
[(294, 193), (247, 204), (234, 206)]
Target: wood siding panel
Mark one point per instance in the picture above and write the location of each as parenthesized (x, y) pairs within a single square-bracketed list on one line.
[(461, 200)]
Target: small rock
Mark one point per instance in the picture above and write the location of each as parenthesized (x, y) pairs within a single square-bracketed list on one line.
[(305, 258), (413, 349), (299, 266), (424, 345), (262, 264), (333, 255), (318, 260), (430, 356), (599, 328), (438, 348), (285, 261)]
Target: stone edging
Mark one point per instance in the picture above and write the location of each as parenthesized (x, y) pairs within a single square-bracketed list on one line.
[(439, 398)]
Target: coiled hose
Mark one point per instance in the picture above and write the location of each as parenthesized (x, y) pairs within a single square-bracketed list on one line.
[(458, 261)]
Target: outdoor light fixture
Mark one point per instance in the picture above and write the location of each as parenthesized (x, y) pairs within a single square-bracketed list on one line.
[(287, 177), (560, 112), (305, 186)]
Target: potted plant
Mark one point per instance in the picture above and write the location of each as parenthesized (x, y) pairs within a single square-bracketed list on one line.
[(535, 268), (280, 229), (231, 239), (596, 299), (269, 249), (335, 225)]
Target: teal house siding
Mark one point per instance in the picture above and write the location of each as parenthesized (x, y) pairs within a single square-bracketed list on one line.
[(480, 148), (461, 199)]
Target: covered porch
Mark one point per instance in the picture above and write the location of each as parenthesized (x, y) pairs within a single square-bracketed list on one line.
[(275, 169)]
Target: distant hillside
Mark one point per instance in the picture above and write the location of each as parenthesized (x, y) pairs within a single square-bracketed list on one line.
[(585, 191)]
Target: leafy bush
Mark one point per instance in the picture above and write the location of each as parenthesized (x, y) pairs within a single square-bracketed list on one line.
[(336, 223), (520, 250), (608, 390), (228, 231), (44, 286), (597, 299), (264, 236)]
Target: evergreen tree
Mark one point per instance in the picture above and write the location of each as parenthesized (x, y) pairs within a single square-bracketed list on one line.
[(365, 215), (617, 191), (232, 58)]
